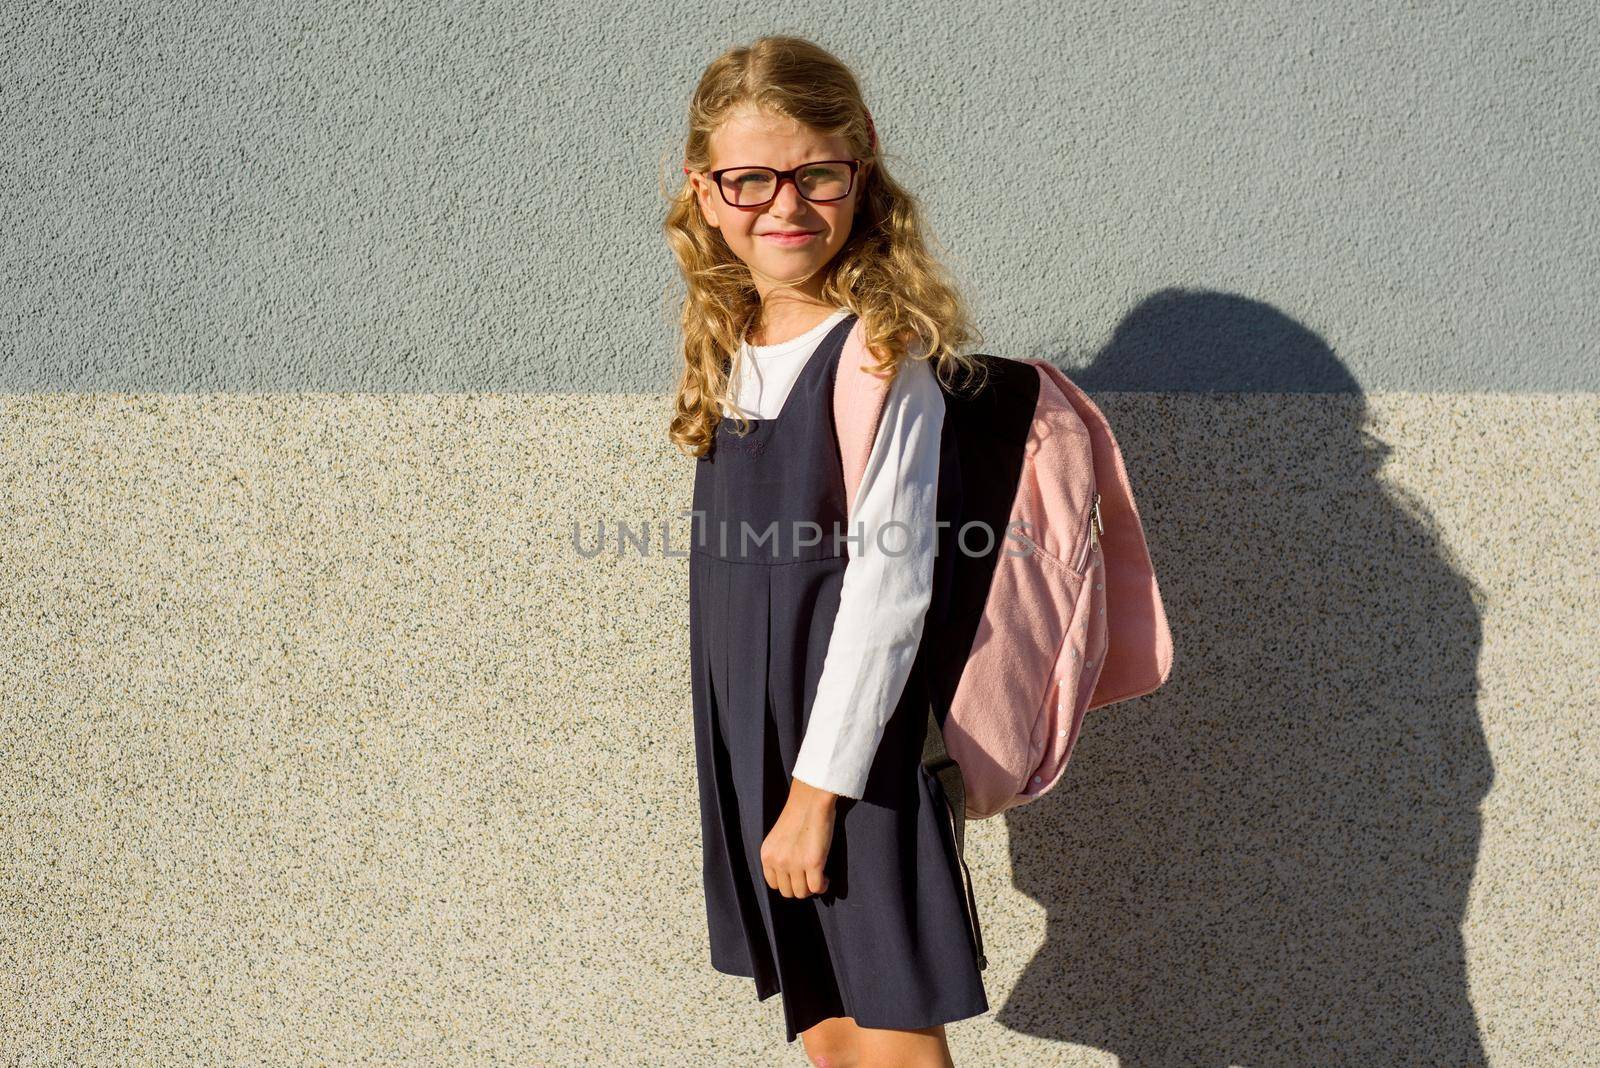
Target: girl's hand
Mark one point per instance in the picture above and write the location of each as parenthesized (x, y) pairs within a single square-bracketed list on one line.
[(794, 851)]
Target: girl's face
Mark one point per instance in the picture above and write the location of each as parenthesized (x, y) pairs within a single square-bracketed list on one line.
[(756, 139)]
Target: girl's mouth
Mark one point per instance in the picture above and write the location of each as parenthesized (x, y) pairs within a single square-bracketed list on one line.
[(789, 240)]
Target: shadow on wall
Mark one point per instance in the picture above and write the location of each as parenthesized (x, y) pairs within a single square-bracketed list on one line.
[(1267, 860)]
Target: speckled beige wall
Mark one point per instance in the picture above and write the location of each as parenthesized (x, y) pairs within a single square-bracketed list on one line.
[(322, 745)]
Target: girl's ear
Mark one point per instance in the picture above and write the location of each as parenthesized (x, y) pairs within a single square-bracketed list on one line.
[(702, 198)]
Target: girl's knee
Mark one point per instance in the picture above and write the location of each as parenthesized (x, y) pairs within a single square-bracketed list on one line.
[(832, 1044)]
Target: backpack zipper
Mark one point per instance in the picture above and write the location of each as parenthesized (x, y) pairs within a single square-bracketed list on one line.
[(1091, 537)]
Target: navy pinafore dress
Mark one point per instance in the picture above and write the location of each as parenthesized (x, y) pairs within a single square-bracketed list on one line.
[(888, 943)]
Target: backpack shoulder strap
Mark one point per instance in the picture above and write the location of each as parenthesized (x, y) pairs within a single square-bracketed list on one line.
[(859, 398)]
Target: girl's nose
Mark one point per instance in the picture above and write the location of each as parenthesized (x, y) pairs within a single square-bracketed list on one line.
[(787, 197)]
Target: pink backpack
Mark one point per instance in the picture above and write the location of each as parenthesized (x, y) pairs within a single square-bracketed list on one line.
[(1060, 616)]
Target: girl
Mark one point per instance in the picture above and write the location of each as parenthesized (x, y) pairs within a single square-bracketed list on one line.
[(830, 873)]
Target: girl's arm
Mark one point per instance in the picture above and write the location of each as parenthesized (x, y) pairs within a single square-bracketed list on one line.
[(886, 591)]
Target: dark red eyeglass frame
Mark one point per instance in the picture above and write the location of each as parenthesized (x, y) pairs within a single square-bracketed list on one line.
[(716, 179)]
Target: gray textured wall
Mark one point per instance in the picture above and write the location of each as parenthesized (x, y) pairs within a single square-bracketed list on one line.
[(464, 197), (319, 744)]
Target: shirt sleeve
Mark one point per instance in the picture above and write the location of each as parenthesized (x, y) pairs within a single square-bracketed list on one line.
[(887, 587)]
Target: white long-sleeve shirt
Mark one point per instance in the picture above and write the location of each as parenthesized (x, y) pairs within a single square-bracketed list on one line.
[(888, 582)]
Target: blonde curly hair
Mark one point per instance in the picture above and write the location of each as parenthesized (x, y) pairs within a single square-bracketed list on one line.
[(908, 306)]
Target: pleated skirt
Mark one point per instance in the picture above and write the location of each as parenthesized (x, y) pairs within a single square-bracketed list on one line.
[(889, 943)]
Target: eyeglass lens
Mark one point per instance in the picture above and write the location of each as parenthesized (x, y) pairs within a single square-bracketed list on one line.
[(756, 185)]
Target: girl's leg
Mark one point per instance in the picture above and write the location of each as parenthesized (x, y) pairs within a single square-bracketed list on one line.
[(923, 1048), (832, 1043), (838, 1043)]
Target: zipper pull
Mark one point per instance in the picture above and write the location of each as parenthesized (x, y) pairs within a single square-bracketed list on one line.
[(1094, 514)]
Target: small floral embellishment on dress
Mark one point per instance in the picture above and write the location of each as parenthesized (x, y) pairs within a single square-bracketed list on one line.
[(750, 445)]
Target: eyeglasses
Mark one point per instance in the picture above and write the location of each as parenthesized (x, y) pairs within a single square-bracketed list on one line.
[(819, 182)]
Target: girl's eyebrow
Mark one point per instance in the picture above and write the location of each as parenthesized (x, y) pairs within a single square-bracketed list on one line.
[(774, 166)]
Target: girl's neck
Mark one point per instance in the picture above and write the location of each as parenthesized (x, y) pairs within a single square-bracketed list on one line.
[(787, 320)]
